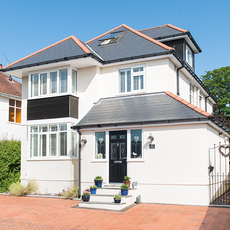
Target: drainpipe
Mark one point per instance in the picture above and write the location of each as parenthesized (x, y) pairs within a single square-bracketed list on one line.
[(79, 164), (206, 103), (177, 74)]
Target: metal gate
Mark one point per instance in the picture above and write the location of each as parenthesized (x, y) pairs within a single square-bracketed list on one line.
[(219, 179)]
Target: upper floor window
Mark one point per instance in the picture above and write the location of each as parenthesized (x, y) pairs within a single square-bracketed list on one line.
[(132, 79), (189, 56), (191, 94), (14, 111), (200, 100), (52, 82)]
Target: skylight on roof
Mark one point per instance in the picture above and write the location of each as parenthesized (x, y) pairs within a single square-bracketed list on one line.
[(111, 38)]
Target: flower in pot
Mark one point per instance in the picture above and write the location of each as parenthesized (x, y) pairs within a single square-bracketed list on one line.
[(98, 181), (117, 199), (127, 180), (86, 195), (124, 190), (93, 189)]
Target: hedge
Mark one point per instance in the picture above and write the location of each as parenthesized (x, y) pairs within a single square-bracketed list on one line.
[(10, 163)]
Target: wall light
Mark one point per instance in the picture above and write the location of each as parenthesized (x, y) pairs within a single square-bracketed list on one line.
[(83, 140), (151, 138)]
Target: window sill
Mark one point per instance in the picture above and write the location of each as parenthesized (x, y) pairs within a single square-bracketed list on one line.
[(99, 161), (52, 159), (13, 123), (136, 160), (132, 93)]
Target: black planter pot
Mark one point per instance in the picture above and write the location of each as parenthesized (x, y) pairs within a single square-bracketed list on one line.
[(98, 183), (85, 198), (117, 200)]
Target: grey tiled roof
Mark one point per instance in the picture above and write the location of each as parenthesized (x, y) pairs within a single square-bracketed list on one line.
[(160, 31), (67, 48), (149, 108), (130, 44)]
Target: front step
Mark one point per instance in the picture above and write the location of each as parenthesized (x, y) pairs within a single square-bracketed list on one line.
[(103, 199)]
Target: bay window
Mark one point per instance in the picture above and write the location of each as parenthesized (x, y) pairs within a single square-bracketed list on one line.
[(53, 82), (132, 79), (51, 141)]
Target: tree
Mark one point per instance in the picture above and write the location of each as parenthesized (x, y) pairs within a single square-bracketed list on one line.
[(218, 83)]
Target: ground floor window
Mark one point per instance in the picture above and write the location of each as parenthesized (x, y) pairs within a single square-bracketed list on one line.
[(100, 145), (136, 143), (51, 140)]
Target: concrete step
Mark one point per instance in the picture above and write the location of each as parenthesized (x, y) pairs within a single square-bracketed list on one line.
[(103, 205), (112, 190), (108, 198)]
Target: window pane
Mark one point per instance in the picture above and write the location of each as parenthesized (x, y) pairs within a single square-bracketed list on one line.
[(18, 115), (53, 128), (74, 144), (11, 114), (53, 82), (43, 83), (129, 81), (136, 143), (43, 145), (63, 80), (34, 85), (74, 81), (63, 143), (100, 145), (141, 82), (34, 129), (53, 144), (122, 81), (11, 102), (139, 69), (135, 82), (34, 145), (43, 128), (18, 104), (63, 127)]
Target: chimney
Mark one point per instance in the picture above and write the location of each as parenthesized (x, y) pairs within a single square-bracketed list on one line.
[(0, 66)]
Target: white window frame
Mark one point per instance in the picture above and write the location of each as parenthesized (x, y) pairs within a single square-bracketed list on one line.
[(49, 94), (15, 111), (133, 74), (106, 146), (69, 132), (189, 56)]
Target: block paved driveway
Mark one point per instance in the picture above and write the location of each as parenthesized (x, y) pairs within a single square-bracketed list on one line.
[(50, 213)]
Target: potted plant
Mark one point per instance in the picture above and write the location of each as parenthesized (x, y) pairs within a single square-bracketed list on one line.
[(98, 181), (127, 180), (117, 199), (93, 189), (124, 190), (86, 195)]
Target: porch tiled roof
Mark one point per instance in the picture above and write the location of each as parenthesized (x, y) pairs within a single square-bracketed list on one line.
[(139, 109), (13, 87)]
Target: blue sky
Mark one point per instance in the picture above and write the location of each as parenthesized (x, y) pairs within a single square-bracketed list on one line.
[(28, 26)]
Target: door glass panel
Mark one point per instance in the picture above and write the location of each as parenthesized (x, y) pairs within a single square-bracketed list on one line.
[(122, 136), (113, 151), (113, 137), (122, 151)]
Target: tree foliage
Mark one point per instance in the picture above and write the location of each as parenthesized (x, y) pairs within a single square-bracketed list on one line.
[(218, 83), (10, 163)]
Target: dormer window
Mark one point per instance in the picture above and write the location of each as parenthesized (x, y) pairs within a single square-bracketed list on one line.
[(111, 38), (189, 56)]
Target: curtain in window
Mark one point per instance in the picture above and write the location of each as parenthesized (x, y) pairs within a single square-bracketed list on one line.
[(53, 144), (43, 145), (43, 83), (74, 144), (128, 80), (63, 143), (74, 81), (34, 145), (122, 81), (53, 82), (34, 85), (63, 80)]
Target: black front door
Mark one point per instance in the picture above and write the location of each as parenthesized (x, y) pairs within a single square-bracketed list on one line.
[(117, 156)]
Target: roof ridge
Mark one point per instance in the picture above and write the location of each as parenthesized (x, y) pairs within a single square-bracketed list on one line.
[(169, 25), (138, 33), (191, 106), (76, 40)]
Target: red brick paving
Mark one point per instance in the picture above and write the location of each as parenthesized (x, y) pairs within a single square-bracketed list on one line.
[(48, 213)]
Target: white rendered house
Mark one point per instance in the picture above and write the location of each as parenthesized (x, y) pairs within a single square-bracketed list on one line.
[(134, 97), (10, 107)]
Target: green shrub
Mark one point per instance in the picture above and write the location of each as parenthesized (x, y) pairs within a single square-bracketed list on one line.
[(71, 192), (10, 163)]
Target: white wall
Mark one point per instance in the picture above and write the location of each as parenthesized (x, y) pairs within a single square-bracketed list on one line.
[(8, 129)]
